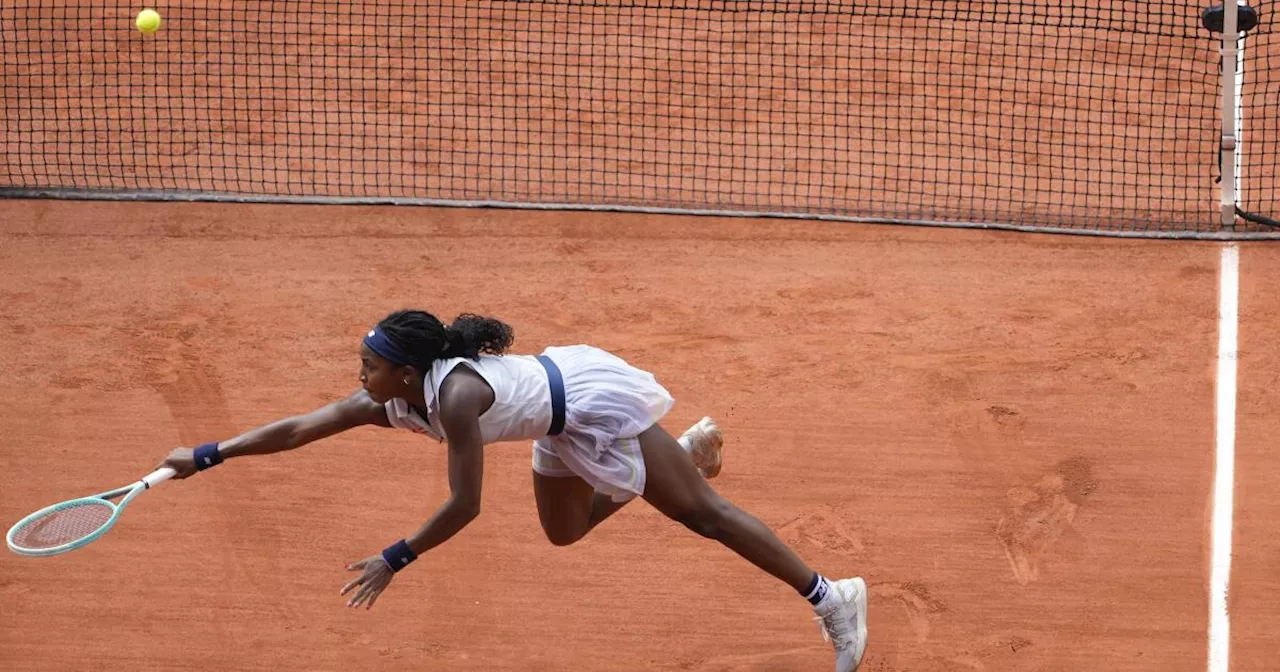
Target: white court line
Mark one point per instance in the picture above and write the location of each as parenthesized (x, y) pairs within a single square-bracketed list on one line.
[(1225, 457)]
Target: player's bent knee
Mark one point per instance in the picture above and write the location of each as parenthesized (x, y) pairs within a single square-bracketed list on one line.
[(560, 539), (561, 535)]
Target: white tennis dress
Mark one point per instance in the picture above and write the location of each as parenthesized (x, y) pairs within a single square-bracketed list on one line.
[(608, 403)]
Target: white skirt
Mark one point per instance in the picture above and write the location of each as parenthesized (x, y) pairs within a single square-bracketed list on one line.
[(608, 403)]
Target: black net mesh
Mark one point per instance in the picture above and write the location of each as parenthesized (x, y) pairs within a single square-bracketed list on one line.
[(1047, 113)]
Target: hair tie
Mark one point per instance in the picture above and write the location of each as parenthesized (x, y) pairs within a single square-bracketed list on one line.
[(455, 344)]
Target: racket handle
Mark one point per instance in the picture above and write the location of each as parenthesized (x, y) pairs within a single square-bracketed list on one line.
[(158, 476)]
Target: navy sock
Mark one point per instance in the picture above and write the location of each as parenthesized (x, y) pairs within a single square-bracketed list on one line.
[(817, 589)]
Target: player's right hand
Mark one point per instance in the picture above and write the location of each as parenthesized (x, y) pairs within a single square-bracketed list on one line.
[(181, 460)]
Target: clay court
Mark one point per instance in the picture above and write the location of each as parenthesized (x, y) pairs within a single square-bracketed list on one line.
[(1011, 436)]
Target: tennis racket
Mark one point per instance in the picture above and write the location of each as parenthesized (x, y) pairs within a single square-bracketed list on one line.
[(74, 523)]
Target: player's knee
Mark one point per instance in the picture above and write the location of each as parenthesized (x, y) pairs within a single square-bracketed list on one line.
[(560, 535), (562, 539), (708, 519)]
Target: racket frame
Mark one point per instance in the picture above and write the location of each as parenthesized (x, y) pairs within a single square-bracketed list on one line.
[(129, 491)]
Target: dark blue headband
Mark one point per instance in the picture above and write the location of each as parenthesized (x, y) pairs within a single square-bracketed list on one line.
[(378, 342)]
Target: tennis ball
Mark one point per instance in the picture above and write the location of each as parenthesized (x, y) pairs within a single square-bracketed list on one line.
[(148, 21)]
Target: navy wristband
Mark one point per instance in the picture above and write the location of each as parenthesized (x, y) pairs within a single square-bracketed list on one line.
[(207, 456), (398, 555)]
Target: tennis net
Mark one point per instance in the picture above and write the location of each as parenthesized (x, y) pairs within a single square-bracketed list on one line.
[(1054, 113)]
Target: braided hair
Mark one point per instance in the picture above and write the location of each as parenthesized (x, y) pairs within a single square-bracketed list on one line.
[(427, 339)]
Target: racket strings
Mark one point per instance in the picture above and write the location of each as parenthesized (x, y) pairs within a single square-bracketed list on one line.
[(63, 526)]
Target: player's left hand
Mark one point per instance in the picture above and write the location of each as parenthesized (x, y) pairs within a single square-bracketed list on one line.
[(374, 579)]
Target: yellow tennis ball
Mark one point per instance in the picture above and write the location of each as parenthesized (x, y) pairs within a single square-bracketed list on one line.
[(148, 21)]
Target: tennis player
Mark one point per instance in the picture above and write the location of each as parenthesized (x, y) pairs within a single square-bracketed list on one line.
[(597, 445)]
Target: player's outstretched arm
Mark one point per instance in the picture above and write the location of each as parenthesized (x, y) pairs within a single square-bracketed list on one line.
[(462, 399), (355, 410)]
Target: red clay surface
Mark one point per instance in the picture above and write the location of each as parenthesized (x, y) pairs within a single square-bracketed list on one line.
[(1010, 436)]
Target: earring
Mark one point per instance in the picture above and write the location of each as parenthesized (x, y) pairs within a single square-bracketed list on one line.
[(407, 382)]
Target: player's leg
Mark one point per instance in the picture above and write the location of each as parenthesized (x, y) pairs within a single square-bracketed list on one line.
[(568, 507), (674, 487)]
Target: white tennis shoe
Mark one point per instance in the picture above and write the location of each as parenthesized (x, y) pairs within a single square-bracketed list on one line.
[(843, 613), (705, 443)]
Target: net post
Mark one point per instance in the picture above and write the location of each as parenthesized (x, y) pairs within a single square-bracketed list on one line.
[(1227, 146)]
